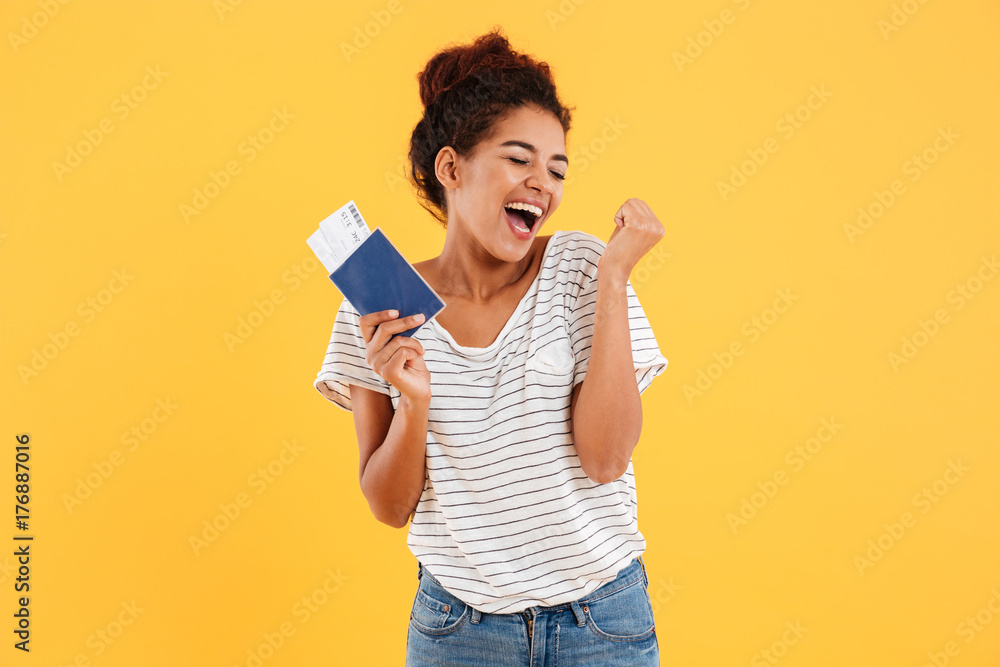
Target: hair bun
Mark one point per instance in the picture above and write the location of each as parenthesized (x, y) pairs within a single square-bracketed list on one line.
[(450, 67)]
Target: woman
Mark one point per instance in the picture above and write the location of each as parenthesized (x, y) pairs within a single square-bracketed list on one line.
[(516, 472)]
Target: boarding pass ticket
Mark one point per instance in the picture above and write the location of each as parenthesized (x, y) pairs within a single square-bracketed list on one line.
[(338, 236)]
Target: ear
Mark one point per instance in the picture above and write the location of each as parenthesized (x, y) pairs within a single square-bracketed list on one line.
[(446, 167)]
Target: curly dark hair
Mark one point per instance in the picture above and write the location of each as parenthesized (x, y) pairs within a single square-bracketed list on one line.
[(466, 90)]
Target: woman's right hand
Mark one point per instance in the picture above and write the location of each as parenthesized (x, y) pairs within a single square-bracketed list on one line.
[(398, 360)]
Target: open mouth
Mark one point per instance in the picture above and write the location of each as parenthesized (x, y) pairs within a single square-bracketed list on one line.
[(526, 216)]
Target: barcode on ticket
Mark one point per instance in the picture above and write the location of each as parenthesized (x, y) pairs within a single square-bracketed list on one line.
[(357, 216)]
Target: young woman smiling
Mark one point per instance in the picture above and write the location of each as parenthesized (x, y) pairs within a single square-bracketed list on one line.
[(505, 427)]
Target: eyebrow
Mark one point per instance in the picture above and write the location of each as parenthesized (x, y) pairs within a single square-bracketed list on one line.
[(525, 144)]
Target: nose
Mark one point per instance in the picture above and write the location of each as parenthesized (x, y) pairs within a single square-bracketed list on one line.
[(540, 179)]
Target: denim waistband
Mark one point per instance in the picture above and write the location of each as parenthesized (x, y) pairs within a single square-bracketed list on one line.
[(628, 575)]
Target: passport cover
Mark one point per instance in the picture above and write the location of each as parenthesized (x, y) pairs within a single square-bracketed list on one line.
[(376, 276)]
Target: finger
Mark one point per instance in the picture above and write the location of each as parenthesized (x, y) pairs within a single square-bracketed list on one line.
[(409, 354), (382, 354), (406, 342), (385, 331), (623, 215), (371, 321), (415, 362), (404, 323), (394, 366)]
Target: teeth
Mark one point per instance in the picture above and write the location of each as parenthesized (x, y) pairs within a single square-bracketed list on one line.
[(534, 210)]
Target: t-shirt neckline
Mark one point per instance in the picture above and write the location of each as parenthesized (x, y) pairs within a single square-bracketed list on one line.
[(513, 317)]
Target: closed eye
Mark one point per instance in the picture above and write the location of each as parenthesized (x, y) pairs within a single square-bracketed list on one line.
[(561, 177)]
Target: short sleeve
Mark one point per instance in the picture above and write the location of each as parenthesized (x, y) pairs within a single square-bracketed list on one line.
[(344, 363), (647, 359)]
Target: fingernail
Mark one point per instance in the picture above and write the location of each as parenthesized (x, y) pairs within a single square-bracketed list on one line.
[(393, 313), (419, 317)]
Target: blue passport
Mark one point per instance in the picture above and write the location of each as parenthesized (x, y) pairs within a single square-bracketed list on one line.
[(376, 276)]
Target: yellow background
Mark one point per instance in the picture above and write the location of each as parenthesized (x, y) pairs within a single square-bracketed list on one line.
[(721, 596)]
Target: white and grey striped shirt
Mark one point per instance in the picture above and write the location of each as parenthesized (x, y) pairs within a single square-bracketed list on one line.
[(507, 518)]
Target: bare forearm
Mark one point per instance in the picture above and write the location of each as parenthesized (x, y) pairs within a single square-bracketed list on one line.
[(394, 476), (607, 418)]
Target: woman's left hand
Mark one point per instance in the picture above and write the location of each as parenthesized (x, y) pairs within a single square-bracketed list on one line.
[(637, 230)]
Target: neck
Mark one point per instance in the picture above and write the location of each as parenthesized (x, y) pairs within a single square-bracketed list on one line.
[(468, 271)]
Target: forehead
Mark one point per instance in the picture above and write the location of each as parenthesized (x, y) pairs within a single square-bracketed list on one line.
[(535, 126)]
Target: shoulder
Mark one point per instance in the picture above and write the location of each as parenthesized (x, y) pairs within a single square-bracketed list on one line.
[(574, 240), (347, 308), (575, 247), (348, 319), (572, 263), (577, 252)]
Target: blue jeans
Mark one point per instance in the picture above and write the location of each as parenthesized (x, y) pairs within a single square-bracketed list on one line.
[(611, 627)]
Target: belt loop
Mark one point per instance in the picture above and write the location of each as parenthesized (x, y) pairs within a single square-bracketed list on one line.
[(476, 614), (581, 620), (420, 571), (644, 575)]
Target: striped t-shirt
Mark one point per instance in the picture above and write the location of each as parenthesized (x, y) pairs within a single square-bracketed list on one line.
[(507, 518)]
